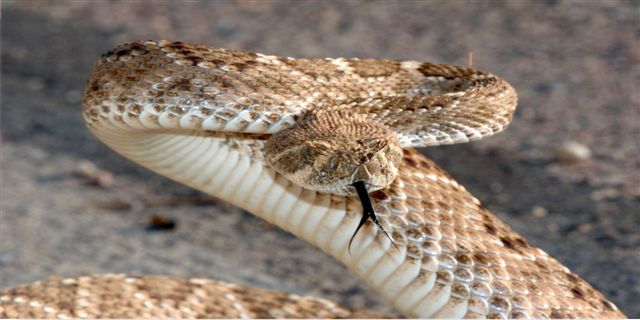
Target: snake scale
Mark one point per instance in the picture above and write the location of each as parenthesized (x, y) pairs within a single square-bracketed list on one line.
[(204, 116)]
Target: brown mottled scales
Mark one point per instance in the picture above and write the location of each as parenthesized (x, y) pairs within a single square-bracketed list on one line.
[(239, 126), (124, 296)]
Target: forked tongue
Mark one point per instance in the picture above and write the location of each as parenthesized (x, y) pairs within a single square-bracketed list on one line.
[(367, 213)]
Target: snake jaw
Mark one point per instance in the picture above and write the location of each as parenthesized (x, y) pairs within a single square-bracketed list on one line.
[(368, 213)]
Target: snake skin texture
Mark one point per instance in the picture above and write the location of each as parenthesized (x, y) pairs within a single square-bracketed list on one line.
[(202, 116), (122, 296)]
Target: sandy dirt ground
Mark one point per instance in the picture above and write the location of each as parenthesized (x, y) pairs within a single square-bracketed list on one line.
[(574, 64)]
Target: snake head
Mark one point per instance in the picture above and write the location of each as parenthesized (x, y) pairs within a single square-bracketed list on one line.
[(329, 156)]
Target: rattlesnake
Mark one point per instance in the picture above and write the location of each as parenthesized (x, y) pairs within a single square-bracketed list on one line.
[(205, 117)]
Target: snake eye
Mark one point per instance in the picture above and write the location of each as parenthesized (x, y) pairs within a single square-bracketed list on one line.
[(322, 174)]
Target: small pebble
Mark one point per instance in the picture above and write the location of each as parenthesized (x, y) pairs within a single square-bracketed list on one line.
[(89, 171), (161, 223), (572, 152), (539, 212)]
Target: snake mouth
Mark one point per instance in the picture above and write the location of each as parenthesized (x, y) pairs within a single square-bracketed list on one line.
[(370, 187), (347, 186), (361, 177)]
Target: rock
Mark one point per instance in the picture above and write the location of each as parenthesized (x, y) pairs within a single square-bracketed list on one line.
[(539, 211), (572, 152), (158, 222), (94, 175)]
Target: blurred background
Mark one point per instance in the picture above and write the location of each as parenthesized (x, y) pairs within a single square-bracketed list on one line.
[(565, 174)]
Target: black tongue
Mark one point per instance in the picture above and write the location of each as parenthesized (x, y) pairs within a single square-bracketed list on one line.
[(367, 213)]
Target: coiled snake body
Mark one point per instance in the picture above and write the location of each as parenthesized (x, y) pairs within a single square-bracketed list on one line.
[(205, 117)]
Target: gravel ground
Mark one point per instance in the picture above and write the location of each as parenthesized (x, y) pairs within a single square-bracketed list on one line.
[(574, 64)]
